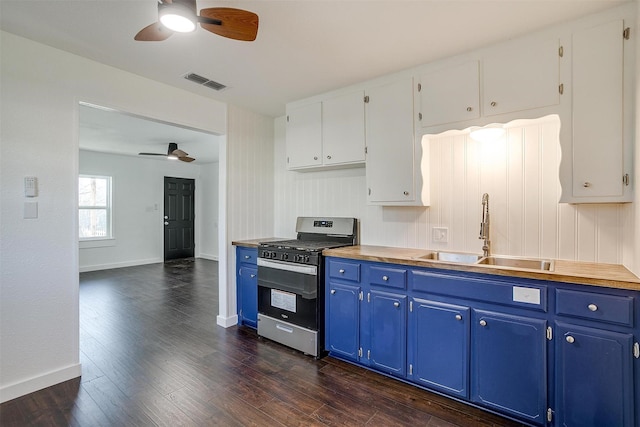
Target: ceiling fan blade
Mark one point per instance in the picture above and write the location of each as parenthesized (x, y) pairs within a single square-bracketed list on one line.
[(179, 153), (152, 154), (233, 23), (186, 159), (155, 32)]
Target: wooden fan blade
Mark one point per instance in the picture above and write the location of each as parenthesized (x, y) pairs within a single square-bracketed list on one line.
[(235, 24), (179, 153), (151, 154), (155, 32), (186, 159)]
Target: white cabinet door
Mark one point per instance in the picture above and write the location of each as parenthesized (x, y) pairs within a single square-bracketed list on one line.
[(598, 157), (343, 129), (521, 76), (304, 136), (450, 95), (390, 143)]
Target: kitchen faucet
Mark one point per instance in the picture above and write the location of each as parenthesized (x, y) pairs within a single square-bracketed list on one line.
[(484, 225)]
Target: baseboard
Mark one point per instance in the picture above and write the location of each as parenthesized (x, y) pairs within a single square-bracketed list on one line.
[(12, 391), (209, 257), (227, 322), (96, 267)]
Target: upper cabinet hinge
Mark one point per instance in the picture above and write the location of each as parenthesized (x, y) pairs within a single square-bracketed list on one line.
[(361, 296), (411, 306), (636, 350), (419, 116), (366, 99), (287, 118), (419, 87), (366, 150), (360, 352), (625, 179), (368, 354), (626, 34), (410, 369), (549, 333), (549, 415), (561, 88), (368, 296), (561, 51)]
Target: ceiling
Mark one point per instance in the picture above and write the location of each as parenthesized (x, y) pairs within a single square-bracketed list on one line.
[(303, 48)]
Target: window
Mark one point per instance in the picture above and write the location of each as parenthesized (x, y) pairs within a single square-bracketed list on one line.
[(94, 195)]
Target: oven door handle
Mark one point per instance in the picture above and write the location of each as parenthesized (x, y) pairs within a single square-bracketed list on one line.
[(288, 266)]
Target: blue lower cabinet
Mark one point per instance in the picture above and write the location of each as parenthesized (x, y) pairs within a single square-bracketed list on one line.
[(343, 320), (594, 377), (438, 346), (509, 365), (247, 286), (388, 332)]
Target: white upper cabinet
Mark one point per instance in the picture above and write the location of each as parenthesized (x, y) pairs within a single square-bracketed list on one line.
[(393, 169), (304, 136), (450, 94), (326, 134), (600, 156), (521, 75), (343, 137)]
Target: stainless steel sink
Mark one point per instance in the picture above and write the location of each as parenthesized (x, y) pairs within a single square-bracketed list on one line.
[(519, 263), (454, 257)]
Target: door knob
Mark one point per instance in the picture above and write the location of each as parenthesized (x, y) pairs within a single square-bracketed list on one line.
[(396, 304), (166, 217), (166, 223), (483, 323)]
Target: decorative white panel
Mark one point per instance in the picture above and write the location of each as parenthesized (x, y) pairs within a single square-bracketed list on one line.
[(520, 173)]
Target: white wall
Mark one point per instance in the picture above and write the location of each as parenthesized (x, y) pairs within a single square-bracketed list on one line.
[(41, 88), (138, 209), (520, 173)]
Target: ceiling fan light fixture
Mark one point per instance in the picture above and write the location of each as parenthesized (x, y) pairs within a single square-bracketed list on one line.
[(178, 18)]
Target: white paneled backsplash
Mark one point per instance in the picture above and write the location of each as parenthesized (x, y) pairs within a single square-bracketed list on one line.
[(520, 173)]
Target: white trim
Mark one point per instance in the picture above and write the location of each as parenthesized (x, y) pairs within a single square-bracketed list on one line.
[(209, 257), (227, 322), (133, 263), (30, 385)]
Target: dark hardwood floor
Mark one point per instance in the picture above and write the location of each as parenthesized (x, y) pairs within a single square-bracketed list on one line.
[(152, 354)]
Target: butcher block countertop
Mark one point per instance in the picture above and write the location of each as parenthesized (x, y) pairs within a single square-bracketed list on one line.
[(586, 273), (253, 243)]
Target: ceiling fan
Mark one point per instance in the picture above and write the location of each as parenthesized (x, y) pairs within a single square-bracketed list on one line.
[(181, 16), (173, 152)]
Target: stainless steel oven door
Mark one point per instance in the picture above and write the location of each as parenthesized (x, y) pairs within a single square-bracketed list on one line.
[(288, 292)]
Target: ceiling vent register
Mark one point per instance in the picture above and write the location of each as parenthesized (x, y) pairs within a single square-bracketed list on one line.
[(211, 84)]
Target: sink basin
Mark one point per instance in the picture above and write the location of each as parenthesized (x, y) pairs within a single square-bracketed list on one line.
[(519, 263), (455, 257)]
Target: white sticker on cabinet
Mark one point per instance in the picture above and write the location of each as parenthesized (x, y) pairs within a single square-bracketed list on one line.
[(528, 295), (283, 300)]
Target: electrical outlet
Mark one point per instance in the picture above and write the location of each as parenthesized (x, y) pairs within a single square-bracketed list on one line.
[(440, 234)]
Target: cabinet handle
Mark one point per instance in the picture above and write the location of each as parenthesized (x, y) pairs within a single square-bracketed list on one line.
[(592, 307), (570, 339), (469, 109), (385, 278), (329, 157), (252, 275), (586, 185), (493, 103), (247, 256), (459, 317), (396, 304), (483, 323), (315, 157), (333, 291), (406, 193), (341, 271)]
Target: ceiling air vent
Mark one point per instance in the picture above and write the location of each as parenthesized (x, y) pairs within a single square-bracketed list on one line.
[(196, 78)]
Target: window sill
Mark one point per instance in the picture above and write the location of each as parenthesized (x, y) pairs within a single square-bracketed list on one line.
[(97, 243)]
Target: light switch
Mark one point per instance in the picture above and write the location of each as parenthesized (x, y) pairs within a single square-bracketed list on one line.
[(30, 210)]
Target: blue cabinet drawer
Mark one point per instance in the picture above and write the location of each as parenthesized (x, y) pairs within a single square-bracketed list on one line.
[(344, 270), (388, 277), (594, 306), (247, 255)]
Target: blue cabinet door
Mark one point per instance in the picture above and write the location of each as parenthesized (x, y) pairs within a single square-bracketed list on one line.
[(594, 377), (439, 346), (508, 364), (388, 332), (343, 320), (248, 284)]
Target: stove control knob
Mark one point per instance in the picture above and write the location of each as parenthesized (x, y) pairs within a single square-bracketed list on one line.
[(284, 256)]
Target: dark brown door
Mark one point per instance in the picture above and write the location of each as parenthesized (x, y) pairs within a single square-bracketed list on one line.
[(178, 218)]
